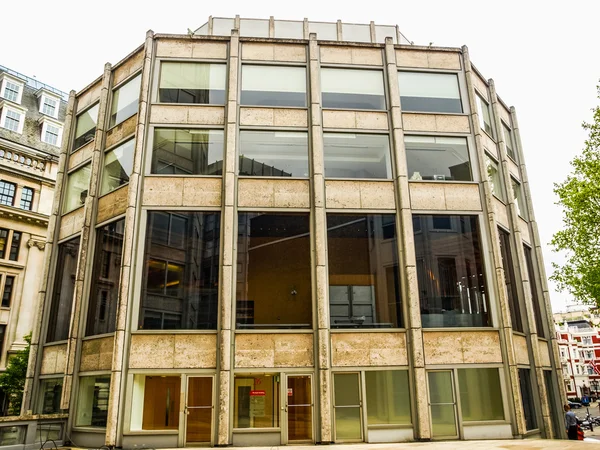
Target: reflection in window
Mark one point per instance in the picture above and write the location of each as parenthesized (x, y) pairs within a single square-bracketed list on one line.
[(364, 281), (62, 293), (452, 287), (192, 83), (273, 154), (352, 89), (429, 92), (181, 275), (256, 402), (9, 283), (104, 294), (476, 385), (26, 198), (125, 101), (118, 165), (527, 399), (510, 280), (7, 193), (187, 151), (519, 199), (495, 178), (92, 401), (15, 246), (509, 141), (49, 396), (155, 404), (274, 287), (85, 127), (485, 116), (535, 299), (77, 188), (388, 397), (3, 242), (349, 155), (273, 86), (437, 158)]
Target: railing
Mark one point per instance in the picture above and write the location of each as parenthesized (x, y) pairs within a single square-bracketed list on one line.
[(32, 82)]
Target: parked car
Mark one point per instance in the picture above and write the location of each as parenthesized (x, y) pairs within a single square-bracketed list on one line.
[(574, 405)]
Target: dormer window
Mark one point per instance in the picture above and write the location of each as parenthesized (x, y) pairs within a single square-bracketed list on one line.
[(49, 103), (12, 117), (11, 88), (51, 131)]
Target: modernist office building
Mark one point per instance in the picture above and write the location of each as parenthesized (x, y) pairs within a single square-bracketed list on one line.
[(271, 232)]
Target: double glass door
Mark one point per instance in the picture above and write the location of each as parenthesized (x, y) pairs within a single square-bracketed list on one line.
[(199, 411)]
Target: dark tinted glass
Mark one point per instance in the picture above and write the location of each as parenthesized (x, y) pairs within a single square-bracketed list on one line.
[(364, 281), (437, 158), (104, 295), (181, 271), (510, 280), (187, 152), (62, 294), (535, 299), (274, 277), (450, 272), (15, 246), (527, 399), (8, 290), (85, 128), (273, 154), (350, 155)]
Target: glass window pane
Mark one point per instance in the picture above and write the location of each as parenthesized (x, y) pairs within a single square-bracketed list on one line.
[(352, 89), (92, 401), (510, 280), (383, 31), (118, 165), (273, 154), (49, 396), (527, 399), (254, 27), (356, 33), (485, 116), (508, 141), (495, 178), (125, 101), (519, 199), (187, 152), (480, 394), (273, 289), (325, 31), (181, 277), (429, 92), (7, 193), (15, 246), (535, 299), (273, 86), (437, 158), (85, 128), (288, 29), (222, 27), (9, 283), (347, 424), (440, 387), (155, 403), (104, 294), (443, 420), (192, 83), (3, 242), (77, 188), (388, 397), (349, 155), (364, 281), (62, 293), (450, 272), (256, 401), (346, 389)]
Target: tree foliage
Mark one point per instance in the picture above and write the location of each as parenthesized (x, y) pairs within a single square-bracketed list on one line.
[(579, 196), (12, 381)]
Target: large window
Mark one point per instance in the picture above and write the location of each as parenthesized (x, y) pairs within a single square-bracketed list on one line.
[(364, 281), (519, 199), (181, 271), (388, 397), (352, 89), (485, 116), (509, 141), (49, 396), (257, 401), (118, 165), (273, 154), (273, 86), (510, 280), (351, 155), (26, 198), (535, 299), (429, 92), (437, 158), (7, 293), (450, 271), (480, 394), (77, 188), (85, 127), (62, 293), (7, 193), (155, 402), (3, 242), (527, 399), (125, 101), (187, 152), (104, 294), (184, 82), (495, 178), (274, 276), (92, 402)]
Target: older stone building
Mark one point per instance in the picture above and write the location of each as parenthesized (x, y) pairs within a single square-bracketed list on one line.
[(271, 231), (31, 121)]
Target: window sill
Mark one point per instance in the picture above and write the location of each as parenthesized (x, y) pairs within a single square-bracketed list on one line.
[(444, 181), (255, 177), (436, 113), (191, 175), (474, 423), (98, 336), (457, 329), (257, 430), (325, 108), (174, 332), (390, 426), (488, 135), (50, 344), (90, 429), (499, 199), (275, 331), (382, 180), (366, 330), (81, 146), (122, 121), (514, 160), (222, 105), (519, 333), (113, 190), (301, 108), (64, 213), (150, 432)]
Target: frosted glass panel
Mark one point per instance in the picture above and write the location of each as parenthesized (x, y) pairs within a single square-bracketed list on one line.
[(325, 31), (288, 29), (222, 27), (254, 28), (356, 33)]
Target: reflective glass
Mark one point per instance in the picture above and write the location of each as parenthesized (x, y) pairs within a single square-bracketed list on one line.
[(92, 401), (480, 394), (437, 158), (429, 92), (510, 280), (85, 127), (118, 165), (273, 86), (495, 178), (519, 199), (187, 152), (77, 188), (49, 396), (485, 116), (352, 89), (535, 299), (125, 101), (350, 155), (388, 397), (273, 154), (509, 141), (184, 82), (527, 399)]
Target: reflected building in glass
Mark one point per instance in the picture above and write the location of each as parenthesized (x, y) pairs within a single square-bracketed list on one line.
[(291, 232)]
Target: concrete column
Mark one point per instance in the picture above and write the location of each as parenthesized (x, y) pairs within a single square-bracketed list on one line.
[(319, 231), (116, 397), (406, 250), (538, 261), (86, 243), (490, 222), (229, 246), (52, 235)]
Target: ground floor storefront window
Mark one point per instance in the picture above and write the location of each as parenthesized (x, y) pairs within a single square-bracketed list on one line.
[(92, 403)]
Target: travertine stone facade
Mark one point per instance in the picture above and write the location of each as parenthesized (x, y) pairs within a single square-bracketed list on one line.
[(246, 364)]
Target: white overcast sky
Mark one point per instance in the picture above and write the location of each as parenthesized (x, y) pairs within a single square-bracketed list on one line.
[(543, 56)]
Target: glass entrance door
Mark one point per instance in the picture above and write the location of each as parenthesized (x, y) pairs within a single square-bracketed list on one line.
[(299, 408), (442, 404), (199, 411), (347, 405)]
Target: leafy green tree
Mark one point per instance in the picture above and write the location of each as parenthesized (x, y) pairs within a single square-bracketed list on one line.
[(12, 381), (579, 196)]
